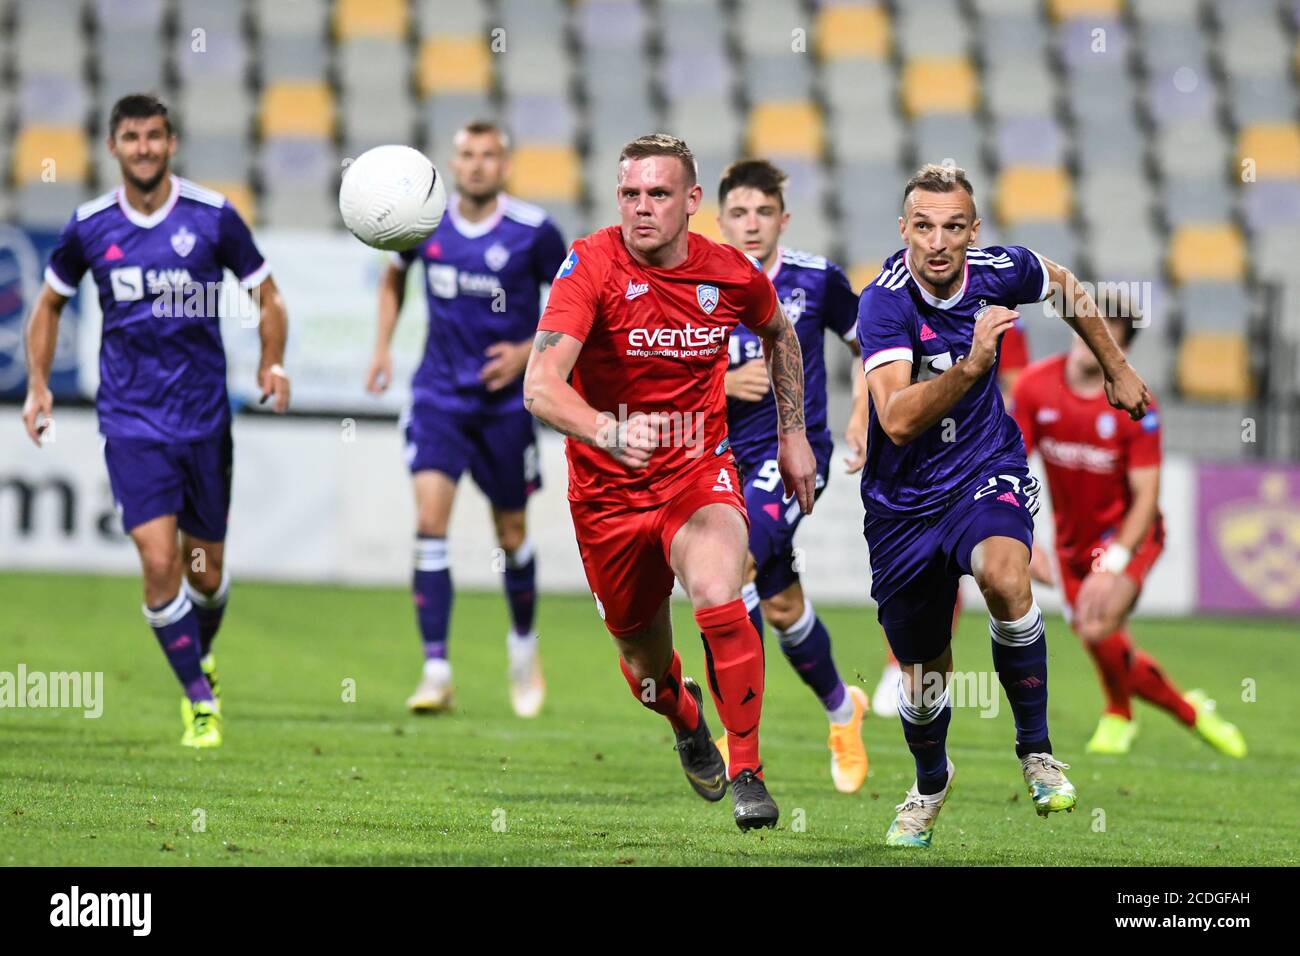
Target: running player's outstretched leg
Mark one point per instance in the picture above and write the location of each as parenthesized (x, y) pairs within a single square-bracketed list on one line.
[(431, 590), (653, 671), (807, 646), (707, 555), (925, 710), (170, 613), (1001, 568), (527, 687), (207, 585)]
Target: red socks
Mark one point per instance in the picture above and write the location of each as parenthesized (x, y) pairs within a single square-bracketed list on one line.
[(1125, 670), (666, 695), (734, 653)]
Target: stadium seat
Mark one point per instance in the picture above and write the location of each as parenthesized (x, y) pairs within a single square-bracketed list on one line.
[(47, 99), (705, 222), (542, 118), (48, 205), (864, 272), (852, 31), (1028, 193), (1215, 367), (778, 76), (460, 19), (445, 114), (1274, 147), (300, 17), (1214, 307), (297, 108), (770, 26), (370, 18), (612, 25), (933, 29), (454, 65), (939, 85), (791, 128), (239, 194), (1207, 251), (1071, 9), (45, 151), (1196, 199), (541, 172), (1261, 99)]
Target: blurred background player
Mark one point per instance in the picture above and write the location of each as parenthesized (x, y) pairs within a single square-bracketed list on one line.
[(946, 486), (483, 270), (637, 322), (816, 297), (156, 247), (1103, 472)]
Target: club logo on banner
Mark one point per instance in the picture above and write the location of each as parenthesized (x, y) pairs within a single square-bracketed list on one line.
[(1248, 520)]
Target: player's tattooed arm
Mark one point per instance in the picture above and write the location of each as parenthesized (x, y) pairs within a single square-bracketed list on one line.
[(1124, 387), (551, 399), (785, 366)]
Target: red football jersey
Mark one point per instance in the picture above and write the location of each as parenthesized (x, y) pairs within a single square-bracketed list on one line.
[(654, 340), (1015, 350), (1088, 449)]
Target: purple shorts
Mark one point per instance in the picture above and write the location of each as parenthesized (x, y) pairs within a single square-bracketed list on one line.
[(773, 520), (188, 479), (500, 450), (917, 562)]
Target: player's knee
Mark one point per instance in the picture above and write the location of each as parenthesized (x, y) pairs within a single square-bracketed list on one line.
[(1004, 580), (783, 610), (511, 535), (713, 590), (161, 570)]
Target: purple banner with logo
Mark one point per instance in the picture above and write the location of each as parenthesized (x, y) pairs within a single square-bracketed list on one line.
[(1248, 538)]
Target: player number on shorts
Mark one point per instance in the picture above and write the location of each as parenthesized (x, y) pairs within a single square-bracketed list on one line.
[(724, 481), (769, 476)]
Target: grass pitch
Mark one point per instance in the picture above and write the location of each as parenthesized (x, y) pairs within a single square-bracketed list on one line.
[(309, 777)]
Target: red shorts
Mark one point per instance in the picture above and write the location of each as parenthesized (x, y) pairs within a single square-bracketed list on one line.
[(1139, 565), (625, 550)]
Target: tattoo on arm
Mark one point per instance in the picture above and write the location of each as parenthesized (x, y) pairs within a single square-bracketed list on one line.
[(785, 365), (544, 340)]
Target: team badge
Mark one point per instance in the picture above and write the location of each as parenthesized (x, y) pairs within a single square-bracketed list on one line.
[(707, 297), (568, 265), (496, 257), (183, 241), (1106, 425)]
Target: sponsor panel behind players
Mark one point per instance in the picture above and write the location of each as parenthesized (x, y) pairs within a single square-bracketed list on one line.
[(817, 299), (155, 242), (629, 363), (946, 486), (1103, 471), (483, 270)]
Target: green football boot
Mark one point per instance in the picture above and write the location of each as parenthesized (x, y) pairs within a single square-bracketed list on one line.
[(203, 728), (1114, 735), (1218, 733), (1050, 790), (914, 825)]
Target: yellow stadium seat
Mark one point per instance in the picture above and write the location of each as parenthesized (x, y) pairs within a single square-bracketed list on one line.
[(370, 18), (1067, 9), (862, 274), (1215, 367), (545, 172), (785, 128), (705, 222), (454, 64), (297, 108), (240, 196), (1033, 193), (1274, 148), (852, 31), (51, 154), (939, 85), (1213, 251)]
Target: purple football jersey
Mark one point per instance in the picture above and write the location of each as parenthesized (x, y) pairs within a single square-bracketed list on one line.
[(816, 296), (162, 368), (899, 320), (483, 281)]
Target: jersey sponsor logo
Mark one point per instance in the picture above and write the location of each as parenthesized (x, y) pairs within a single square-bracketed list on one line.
[(447, 282), (442, 280), (690, 337), (707, 297), (1046, 416), (932, 366), (1150, 421), (1078, 456), (635, 289), (183, 242), (114, 253), (496, 256), (568, 265), (1106, 425), (127, 283)]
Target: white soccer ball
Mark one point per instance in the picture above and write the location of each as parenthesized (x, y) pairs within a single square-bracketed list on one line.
[(392, 197)]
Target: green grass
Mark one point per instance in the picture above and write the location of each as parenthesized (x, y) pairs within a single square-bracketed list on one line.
[(306, 778)]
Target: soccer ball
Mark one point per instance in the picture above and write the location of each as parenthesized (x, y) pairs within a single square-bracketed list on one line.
[(392, 197)]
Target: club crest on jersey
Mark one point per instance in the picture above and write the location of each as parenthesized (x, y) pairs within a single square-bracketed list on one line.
[(183, 242), (707, 297), (1106, 425), (496, 256), (568, 265)]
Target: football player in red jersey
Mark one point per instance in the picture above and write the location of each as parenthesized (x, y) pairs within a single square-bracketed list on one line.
[(629, 363), (1103, 471)]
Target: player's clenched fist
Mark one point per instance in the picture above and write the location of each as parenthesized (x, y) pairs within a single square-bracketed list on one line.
[(37, 412), (630, 442), (1126, 390), (798, 467), (992, 322)]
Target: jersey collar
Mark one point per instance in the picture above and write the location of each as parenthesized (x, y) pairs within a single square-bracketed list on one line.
[(158, 215), (776, 266), (474, 230), (934, 300)]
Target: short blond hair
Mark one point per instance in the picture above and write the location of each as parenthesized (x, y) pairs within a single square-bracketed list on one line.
[(663, 144)]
